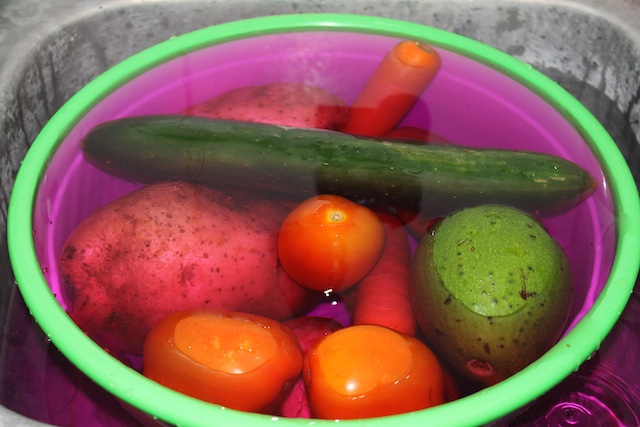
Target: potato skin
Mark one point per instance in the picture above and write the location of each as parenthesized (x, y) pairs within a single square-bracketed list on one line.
[(308, 330), (170, 247), (283, 103)]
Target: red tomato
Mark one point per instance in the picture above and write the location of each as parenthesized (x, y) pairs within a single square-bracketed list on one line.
[(370, 371), (238, 360), (329, 242)]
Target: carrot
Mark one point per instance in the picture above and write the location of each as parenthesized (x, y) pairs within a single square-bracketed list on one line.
[(412, 133), (393, 88), (383, 294)]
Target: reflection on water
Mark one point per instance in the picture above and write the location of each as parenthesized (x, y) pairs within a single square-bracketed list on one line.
[(606, 389)]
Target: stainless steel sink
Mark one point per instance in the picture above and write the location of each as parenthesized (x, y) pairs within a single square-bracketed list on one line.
[(49, 50)]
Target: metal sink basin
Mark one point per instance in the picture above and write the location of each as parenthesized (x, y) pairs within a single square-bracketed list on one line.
[(49, 50)]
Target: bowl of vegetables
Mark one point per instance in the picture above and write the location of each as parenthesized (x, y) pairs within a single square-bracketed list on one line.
[(298, 219)]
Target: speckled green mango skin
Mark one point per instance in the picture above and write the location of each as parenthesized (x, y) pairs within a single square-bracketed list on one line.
[(489, 285)]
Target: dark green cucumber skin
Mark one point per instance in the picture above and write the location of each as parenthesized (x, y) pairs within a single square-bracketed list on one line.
[(434, 179)]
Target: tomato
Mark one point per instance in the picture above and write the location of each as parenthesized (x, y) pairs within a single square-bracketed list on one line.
[(238, 360), (369, 371), (328, 243)]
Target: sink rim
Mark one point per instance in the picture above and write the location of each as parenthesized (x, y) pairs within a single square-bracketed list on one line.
[(612, 298)]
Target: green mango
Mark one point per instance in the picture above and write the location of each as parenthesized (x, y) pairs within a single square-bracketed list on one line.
[(491, 291)]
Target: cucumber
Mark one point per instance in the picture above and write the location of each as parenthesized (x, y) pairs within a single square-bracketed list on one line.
[(434, 179)]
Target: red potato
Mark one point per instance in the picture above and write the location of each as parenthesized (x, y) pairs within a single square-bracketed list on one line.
[(174, 247), (308, 330), (285, 104), (296, 403)]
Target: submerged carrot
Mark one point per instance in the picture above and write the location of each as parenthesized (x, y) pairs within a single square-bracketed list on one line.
[(393, 88), (412, 133), (383, 294)]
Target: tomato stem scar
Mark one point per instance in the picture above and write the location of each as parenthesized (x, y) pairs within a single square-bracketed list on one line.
[(336, 216)]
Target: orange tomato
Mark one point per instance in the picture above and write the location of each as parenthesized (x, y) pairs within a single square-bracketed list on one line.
[(328, 243), (369, 371), (238, 360)]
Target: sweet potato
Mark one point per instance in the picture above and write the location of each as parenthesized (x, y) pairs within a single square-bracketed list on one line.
[(170, 247), (285, 104)]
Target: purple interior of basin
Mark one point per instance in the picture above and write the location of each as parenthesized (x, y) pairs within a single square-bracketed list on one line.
[(468, 103)]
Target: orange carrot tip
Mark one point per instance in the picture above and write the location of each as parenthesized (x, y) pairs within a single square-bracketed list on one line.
[(417, 54), (394, 87)]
